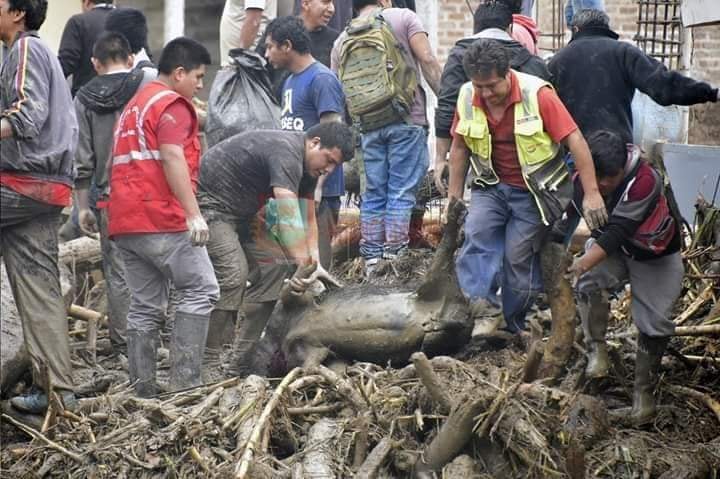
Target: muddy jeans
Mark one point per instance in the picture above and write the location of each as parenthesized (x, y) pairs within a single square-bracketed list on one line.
[(328, 213), (29, 248), (118, 293), (503, 235), (656, 284), (152, 261)]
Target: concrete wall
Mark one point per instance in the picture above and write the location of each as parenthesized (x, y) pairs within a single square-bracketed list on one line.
[(59, 11)]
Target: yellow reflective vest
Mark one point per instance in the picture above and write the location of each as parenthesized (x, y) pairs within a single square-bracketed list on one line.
[(541, 159)]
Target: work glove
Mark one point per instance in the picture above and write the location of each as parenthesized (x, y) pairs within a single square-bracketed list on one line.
[(88, 222), (440, 169), (198, 229), (594, 211)]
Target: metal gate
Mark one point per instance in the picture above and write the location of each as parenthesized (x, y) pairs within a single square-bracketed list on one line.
[(660, 31)]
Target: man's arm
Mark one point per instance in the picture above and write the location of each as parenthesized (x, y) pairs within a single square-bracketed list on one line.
[(85, 162), (178, 177), (664, 86), (442, 147), (431, 69), (250, 26), (291, 226), (459, 163), (28, 109), (593, 204)]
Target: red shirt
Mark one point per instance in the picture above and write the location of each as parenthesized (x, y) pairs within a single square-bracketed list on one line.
[(49, 192), (557, 121)]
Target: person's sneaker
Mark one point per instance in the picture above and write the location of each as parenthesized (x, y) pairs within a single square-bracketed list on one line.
[(371, 266), (36, 402)]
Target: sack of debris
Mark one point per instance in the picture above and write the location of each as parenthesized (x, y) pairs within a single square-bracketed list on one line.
[(241, 98)]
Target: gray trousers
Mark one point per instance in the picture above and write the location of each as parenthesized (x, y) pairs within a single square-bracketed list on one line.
[(29, 247), (152, 261), (118, 293), (243, 251), (656, 284)]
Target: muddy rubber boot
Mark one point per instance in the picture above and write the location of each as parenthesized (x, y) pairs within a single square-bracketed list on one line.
[(222, 329), (594, 311), (187, 345), (647, 368), (142, 361), (488, 318), (255, 318)]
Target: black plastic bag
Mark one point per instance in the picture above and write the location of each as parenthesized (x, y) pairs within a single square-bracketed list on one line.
[(241, 98)]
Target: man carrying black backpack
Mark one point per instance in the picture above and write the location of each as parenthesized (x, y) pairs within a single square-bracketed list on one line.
[(378, 59)]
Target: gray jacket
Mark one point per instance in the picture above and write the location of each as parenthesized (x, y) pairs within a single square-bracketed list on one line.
[(98, 104), (35, 99)]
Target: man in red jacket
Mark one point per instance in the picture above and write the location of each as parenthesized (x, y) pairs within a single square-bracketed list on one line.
[(155, 219)]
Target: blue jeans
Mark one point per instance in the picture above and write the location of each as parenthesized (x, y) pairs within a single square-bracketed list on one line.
[(574, 6), (503, 234), (396, 159)]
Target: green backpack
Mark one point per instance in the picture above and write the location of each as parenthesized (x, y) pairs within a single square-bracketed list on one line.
[(378, 79)]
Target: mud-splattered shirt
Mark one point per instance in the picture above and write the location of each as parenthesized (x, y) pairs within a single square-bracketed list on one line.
[(237, 176)]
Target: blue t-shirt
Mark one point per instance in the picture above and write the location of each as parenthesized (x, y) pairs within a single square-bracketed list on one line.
[(306, 96)]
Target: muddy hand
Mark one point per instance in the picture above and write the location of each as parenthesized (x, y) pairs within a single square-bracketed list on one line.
[(594, 211), (198, 229), (440, 169), (88, 222), (576, 269)]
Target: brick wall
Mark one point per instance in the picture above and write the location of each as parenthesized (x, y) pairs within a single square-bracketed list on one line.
[(455, 21)]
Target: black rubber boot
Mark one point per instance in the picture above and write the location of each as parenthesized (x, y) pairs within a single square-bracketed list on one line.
[(187, 345), (594, 310), (647, 373), (142, 361), (255, 318), (37, 401), (222, 329)]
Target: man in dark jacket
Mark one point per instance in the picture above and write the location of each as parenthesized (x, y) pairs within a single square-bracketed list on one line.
[(98, 105), (492, 20), (78, 38), (596, 76), (38, 133)]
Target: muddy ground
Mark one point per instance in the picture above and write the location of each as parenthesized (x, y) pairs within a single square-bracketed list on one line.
[(368, 420)]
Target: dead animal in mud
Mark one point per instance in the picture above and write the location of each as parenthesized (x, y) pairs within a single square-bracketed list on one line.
[(367, 323)]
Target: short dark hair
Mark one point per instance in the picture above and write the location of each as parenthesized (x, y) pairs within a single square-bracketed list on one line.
[(486, 56), (359, 4), (111, 47), (290, 29), (35, 11), (590, 17), (183, 52), (334, 134), (609, 152), (515, 6), (132, 23), (492, 15)]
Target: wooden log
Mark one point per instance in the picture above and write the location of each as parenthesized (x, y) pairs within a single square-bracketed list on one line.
[(702, 330), (80, 250), (375, 459), (555, 262), (322, 443), (705, 398), (251, 447), (453, 435), (702, 298), (432, 383)]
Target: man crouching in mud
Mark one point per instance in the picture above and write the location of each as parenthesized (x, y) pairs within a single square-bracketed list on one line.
[(237, 177), (641, 245)]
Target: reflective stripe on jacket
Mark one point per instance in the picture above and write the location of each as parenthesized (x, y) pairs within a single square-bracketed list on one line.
[(141, 200), (541, 159)]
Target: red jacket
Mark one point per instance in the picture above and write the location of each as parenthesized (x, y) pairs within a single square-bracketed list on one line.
[(140, 198)]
